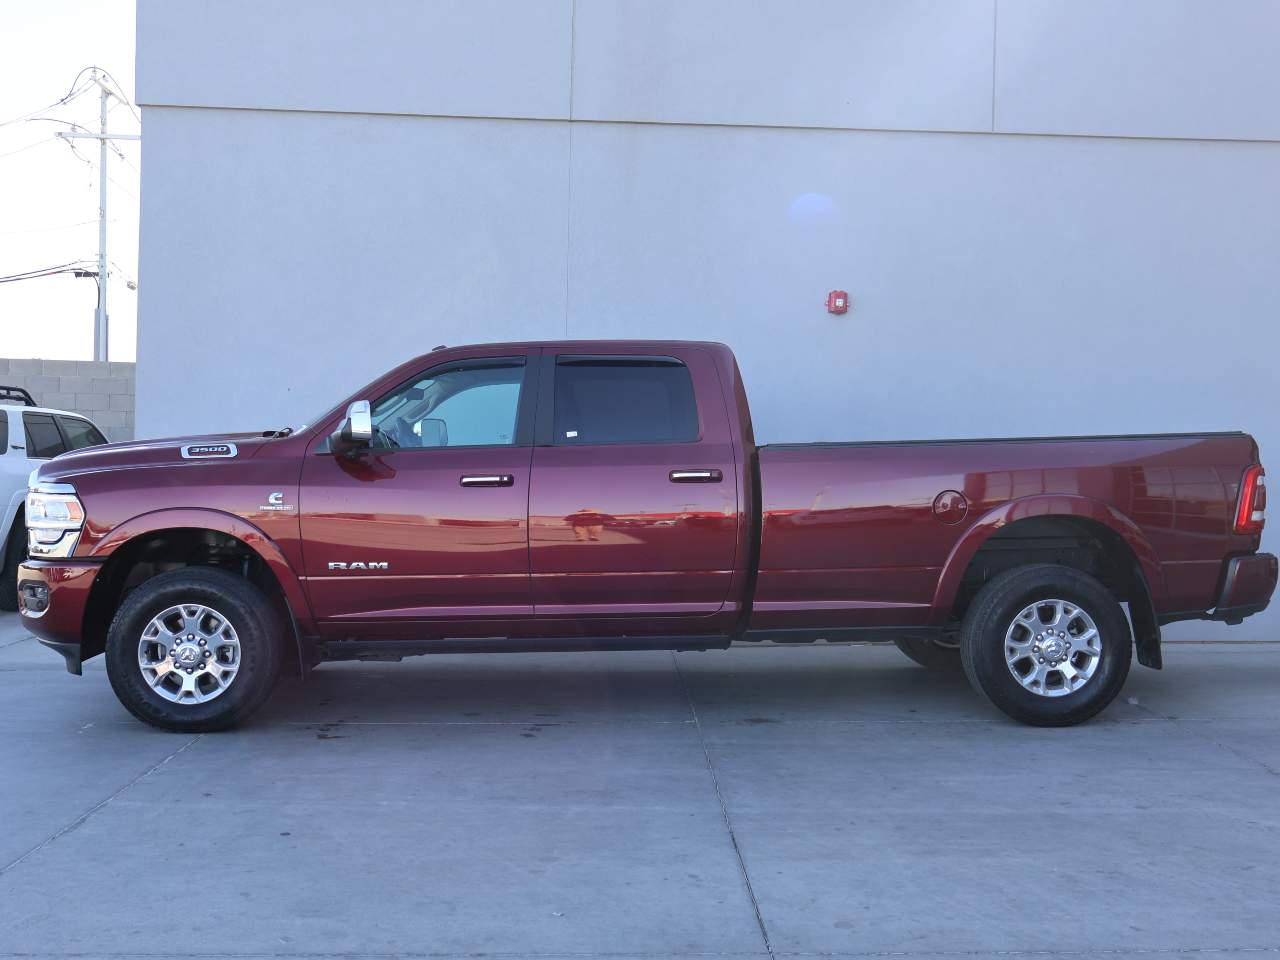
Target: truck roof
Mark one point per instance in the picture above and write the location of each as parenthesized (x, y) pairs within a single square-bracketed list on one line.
[(594, 345)]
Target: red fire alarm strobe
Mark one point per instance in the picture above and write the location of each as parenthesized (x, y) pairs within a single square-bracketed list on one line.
[(837, 302)]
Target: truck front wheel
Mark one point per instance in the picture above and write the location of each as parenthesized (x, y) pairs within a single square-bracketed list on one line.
[(1048, 645), (194, 650)]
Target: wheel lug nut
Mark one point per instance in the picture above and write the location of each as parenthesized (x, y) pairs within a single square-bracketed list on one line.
[(204, 642), (1041, 660), (189, 669)]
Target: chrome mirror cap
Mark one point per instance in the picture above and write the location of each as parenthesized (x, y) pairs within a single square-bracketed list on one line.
[(359, 425)]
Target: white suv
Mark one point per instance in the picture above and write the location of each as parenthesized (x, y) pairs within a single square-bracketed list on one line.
[(29, 435)]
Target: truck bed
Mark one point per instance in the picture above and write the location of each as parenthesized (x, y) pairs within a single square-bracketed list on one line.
[(874, 533)]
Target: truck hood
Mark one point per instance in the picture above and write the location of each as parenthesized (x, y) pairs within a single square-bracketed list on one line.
[(213, 447)]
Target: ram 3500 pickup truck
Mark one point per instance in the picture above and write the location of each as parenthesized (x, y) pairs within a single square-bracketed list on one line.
[(610, 495)]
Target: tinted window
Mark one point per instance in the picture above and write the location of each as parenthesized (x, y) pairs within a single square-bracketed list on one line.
[(454, 406), (43, 438), (618, 401), (80, 433), (4, 433)]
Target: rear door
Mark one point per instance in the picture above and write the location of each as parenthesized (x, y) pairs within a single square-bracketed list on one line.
[(633, 499), (431, 523)]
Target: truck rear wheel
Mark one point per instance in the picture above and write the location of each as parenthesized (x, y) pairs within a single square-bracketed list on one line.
[(931, 654), (194, 650), (1048, 645)]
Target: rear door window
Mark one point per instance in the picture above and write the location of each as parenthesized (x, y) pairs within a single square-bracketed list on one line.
[(43, 439), (623, 400), (80, 433), (4, 432)]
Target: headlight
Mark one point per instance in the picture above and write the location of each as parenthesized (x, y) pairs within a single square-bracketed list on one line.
[(55, 516)]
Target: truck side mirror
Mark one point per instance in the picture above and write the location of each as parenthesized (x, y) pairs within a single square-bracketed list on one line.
[(356, 431)]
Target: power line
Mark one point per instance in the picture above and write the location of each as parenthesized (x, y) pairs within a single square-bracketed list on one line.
[(120, 186), (129, 281), (79, 156), (29, 146), (119, 94), (72, 267), (70, 123), (72, 94), (127, 162)]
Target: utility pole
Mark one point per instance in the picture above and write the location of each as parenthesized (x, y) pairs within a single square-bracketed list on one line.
[(100, 314)]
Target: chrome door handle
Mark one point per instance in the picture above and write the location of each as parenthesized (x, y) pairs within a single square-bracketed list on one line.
[(487, 480), (696, 476)]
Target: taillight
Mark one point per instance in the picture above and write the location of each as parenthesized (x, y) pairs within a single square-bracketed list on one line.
[(1251, 510)]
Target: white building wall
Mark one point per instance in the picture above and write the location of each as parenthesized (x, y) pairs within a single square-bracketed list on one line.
[(1053, 216)]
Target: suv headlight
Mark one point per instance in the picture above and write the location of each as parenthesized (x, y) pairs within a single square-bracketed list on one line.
[(55, 517)]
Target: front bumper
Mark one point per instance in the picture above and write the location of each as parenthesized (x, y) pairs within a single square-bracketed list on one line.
[(52, 597), (1247, 585)]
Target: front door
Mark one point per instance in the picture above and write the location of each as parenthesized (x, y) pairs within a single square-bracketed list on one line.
[(633, 505), (430, 523)]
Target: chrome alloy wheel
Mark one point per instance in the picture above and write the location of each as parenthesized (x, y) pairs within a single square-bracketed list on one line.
[(189, 653), (1052, 647)]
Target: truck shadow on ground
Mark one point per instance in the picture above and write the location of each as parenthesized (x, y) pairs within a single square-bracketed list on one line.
[(827, 685), (616, 688)]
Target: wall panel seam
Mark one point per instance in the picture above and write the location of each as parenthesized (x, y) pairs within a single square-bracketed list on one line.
[(995, 27)]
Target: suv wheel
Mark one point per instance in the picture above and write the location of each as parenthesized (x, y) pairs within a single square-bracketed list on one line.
[(194, 650), (1048, 645), (931, 654)]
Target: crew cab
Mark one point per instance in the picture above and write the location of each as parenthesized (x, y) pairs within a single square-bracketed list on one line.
[(610, 495)]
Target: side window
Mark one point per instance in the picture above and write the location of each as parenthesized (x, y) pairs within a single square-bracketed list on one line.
[(4, 432), (43, 438), (617, 400), (80, 433), (472, 404)]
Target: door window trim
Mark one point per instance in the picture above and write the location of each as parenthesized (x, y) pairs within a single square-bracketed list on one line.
[(525, 404), (545, 419)]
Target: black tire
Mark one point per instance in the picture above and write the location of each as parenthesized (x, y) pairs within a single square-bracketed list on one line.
[(15, 551), (258, 628), (992, 614), (931, 655)]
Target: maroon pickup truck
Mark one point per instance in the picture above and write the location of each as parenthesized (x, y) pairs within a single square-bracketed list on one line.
[(610, 495)]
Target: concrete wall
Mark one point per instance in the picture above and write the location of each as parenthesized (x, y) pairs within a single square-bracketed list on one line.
[(1053, 216), (101, 391)]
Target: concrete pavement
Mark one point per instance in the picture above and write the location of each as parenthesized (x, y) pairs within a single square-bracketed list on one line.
[(837, 802)]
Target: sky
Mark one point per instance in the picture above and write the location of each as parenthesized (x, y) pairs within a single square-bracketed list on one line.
[(48, 196)]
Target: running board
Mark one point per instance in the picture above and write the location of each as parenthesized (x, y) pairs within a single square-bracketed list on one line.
[(395, 650), (838, 635)]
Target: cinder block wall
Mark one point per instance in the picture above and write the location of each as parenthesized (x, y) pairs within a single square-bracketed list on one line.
[(101, 390)]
